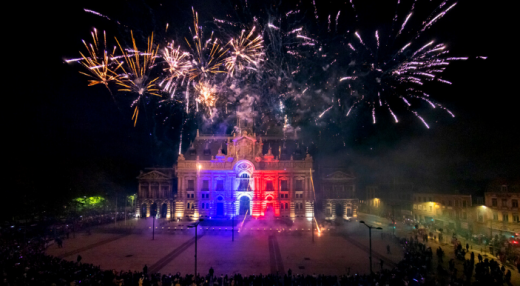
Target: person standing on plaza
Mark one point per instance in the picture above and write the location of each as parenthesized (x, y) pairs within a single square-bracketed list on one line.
[(381, 264), (508, 277), (145, 269), (211, 271)]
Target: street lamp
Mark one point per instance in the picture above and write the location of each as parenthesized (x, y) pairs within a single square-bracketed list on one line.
[(153, 213), (312, 221), (370, 241), (233, 221), (195, 225)]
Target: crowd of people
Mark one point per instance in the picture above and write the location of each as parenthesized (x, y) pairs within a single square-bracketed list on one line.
[(25, 263)]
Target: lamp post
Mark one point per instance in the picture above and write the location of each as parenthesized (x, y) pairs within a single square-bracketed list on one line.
[(312, 221), (153, 213), (370, 241), (233, 221), (195, 225)]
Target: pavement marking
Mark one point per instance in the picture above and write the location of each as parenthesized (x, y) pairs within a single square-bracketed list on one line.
[(99, 243), (161, 263), (367, 250), (275, 256)]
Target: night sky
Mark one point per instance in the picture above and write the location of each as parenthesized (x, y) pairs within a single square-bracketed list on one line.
[(67, 139)]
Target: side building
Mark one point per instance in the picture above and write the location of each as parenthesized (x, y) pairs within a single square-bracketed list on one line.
[(155, 190), (451, 212), (390, 199), (500, 213), (338, 194)]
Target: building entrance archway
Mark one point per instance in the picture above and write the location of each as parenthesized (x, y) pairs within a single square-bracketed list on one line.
[(143, 210), (164, 210), (340, 211), (220, 209), (244, 205)]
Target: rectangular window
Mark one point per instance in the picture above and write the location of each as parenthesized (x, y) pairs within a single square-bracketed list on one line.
[(202, 205), (463, 204), (505, 218), (515, 218), (456, 203), (514, 203), (284, 186), (495, 216), (504, 202), (269, 186), (449, 203), (220, 185), (430, 199), (191, 185), (494, 202), (431, 208), (298, 185), (205, 185)]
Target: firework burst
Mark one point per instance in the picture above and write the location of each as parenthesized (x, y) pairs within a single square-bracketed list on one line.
[(100, 65), (208, 55), (396, 75), (246, 52), (179, 65), (206, 95), (136, 77)]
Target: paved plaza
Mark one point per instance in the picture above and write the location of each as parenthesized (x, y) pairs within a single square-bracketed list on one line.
[(258, 248)]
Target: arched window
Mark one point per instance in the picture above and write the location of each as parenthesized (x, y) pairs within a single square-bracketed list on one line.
[(286, 206), (281, 206), (244, 183), (188, 206)]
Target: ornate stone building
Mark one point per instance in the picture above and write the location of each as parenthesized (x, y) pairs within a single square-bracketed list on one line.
[(155, 190), (338, 194), (241, 173)]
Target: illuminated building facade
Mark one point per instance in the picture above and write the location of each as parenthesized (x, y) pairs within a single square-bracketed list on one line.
[(222, 175), (447, 211), (338, 194), (155, 191)]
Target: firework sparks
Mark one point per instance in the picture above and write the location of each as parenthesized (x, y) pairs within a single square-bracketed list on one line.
[(206, 95), (99, 64), (246, 51), (356, 71), (208, 55), (179, 65), (136, 77), (403, 74)]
